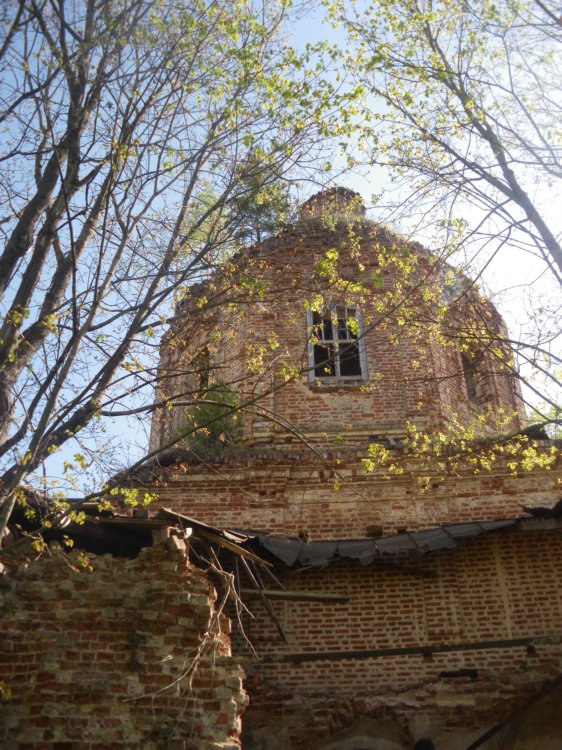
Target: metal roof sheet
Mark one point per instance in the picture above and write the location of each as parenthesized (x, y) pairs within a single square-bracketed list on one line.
[(318, 553)]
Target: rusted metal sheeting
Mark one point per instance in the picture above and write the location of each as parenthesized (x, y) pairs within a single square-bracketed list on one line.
[(292, 551)]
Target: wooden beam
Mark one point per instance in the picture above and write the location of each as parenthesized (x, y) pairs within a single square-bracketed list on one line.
[(217, 536), (300, 596), (376, 653), (255, 577), (231, 546)]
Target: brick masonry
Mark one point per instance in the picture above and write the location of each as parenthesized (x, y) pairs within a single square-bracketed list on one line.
[(102, 658), (502, 586), (414, 369), (292, 494), (494, 588)]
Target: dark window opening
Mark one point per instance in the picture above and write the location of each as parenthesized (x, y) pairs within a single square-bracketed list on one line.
[(350, 363), (325, 365), (468, 368)]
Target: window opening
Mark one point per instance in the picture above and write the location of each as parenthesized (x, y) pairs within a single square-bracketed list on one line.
[(468, 369), (336, 349), (202, 367)]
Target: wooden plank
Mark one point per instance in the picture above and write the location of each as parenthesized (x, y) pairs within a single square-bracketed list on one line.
[(231, 546), (139, 523), (254, 574), (171, 515), (301, 596), (213, 534)]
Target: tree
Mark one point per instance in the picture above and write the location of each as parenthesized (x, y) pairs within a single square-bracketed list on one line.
[(128, 129), (261, 205), (471, 104), (463, 106)]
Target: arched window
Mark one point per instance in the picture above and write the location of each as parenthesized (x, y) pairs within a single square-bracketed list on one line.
[(336, 349)]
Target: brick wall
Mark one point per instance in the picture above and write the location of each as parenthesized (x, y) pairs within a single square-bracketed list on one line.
[(95, 659), (288, 494), (498, 587), (503, 586), (91, 658)]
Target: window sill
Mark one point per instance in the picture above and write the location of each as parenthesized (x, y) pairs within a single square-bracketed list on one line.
[(336, 384)]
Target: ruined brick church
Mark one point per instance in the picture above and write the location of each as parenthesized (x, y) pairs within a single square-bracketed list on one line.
[(440, 584), (386, 586)]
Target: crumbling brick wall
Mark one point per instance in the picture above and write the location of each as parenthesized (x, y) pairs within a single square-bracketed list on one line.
[(102, 658)]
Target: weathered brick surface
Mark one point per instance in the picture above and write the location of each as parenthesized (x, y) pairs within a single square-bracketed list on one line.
[(300, 492), (99, 660), (102, 659), (502, 586), (413, 359), (492, 588)]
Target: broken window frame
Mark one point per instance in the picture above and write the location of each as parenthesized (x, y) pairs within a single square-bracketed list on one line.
[(316, 337)]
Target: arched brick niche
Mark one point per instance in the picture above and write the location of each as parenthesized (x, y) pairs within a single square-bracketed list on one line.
[(366, 734)]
